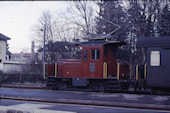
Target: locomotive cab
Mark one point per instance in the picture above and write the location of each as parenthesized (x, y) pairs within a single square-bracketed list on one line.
[(99, 59)]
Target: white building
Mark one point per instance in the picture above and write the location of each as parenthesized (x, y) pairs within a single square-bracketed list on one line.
[(17, 62), (3, 50)]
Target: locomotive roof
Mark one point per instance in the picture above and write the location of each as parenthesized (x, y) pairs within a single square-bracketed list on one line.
[(98, 43), (154, 42)]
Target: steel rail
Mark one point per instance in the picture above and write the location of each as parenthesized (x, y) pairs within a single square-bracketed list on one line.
[(24, 87)]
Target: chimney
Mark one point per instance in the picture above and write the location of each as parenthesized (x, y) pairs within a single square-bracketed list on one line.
[(32, 47), (21, 57)]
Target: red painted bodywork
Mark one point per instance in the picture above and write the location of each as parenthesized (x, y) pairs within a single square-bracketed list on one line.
[(98, 73), (50, 69), (90, 68), (124, 71), (69, 68)]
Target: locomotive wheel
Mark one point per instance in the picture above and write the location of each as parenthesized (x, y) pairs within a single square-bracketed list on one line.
[(124, 87), (96, 87), (153, 91), (62, 86), (135, 87), (100, 88), (50, 81)]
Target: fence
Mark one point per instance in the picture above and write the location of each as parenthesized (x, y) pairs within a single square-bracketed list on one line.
[(10, 78)]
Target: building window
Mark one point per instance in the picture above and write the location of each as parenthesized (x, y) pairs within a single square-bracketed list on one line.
[(84, 54), (0, 49), (95, 54), (155, 58)]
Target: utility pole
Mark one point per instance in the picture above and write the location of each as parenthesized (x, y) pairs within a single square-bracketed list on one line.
[(44, 45), (43, 60)]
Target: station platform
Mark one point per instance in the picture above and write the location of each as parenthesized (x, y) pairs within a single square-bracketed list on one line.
[(121, 100)]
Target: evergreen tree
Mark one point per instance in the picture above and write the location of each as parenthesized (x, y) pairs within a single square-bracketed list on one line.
[(111, 11), (163, 24), (142, 17), (136, 25)]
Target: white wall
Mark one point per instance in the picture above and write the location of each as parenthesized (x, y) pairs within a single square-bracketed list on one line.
[(2, 53), (3, 50), (13, 67)]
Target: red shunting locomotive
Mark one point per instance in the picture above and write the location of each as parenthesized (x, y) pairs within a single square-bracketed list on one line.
[(97, 69)]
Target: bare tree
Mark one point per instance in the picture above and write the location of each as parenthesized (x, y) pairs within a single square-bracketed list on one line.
[(56, 32), (81, 17), (48, 21), (46, 26)]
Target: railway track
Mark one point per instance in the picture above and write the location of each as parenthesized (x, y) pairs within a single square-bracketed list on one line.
[(70, 89), (81, 89), (88, 102)]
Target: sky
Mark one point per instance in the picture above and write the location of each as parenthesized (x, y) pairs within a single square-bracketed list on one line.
[(17, 19)]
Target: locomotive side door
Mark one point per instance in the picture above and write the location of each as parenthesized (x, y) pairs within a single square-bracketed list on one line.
[(85, 62), (153, 68), (95, 62), (91, 62), (110, 59)]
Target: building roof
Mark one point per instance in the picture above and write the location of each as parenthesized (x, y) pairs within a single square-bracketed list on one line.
[(56, 45), (153, 42), (8, 52), (19, 54), (3, 37), (95, 43)]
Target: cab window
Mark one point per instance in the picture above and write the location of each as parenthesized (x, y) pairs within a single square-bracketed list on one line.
[(155, 58), (95, 54), (106, 51), (114, 52), (85, 55)]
